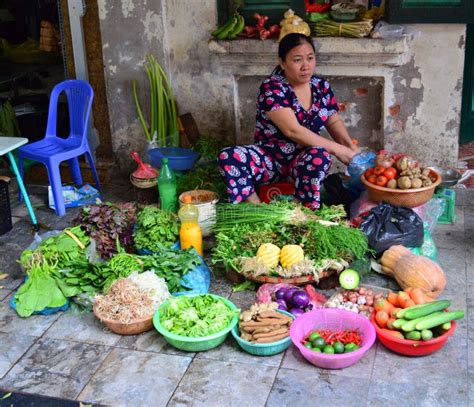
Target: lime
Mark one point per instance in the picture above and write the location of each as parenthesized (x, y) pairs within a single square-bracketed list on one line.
[(316, 350), (308, 345), (349, 347), (338, 347), (319, 343), (328, 349), (313, 336), (349, 279)]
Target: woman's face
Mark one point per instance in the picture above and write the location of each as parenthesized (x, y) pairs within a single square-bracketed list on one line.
[(299, 64)]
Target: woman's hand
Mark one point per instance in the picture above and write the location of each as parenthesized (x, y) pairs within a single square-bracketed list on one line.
[(345, 154)]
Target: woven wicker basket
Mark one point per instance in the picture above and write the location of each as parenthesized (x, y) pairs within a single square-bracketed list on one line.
[(409, 198)]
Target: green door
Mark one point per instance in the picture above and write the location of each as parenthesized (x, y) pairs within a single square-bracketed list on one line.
[(467, 115)]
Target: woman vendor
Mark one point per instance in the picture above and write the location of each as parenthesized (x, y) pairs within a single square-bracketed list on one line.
[(293, 106)]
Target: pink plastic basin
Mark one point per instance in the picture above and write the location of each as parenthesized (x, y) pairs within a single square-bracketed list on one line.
[(336, 319)]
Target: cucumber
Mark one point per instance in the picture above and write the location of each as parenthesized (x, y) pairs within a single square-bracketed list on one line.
[(446, 326), (410, 325), (431, 321), (426, 309), (413, 335), (426, 335), (398, 323)]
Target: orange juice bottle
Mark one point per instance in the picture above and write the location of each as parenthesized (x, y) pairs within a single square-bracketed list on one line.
[(190, 234)]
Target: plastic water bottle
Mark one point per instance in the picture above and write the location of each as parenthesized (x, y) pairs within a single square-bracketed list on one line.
[(167, 187), (190, 233)]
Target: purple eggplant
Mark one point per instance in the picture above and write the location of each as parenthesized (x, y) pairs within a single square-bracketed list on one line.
[(281, 304), (300, 299), (296, 312)]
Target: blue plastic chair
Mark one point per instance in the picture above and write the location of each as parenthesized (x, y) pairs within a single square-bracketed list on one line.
[(53, 150)]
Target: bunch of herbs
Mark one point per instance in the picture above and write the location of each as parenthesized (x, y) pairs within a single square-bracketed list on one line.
[(107, 222), (155, 228), (172, 265)]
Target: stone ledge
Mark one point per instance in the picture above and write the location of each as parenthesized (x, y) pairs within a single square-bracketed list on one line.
[(330, 51)]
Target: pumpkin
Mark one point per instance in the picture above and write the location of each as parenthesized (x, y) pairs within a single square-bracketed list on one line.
[(290, 255), (411, 270), (269, 254)]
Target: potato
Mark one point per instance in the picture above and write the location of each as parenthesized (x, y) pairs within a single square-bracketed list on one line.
[(416, 183), (392, 184), (404, 183)]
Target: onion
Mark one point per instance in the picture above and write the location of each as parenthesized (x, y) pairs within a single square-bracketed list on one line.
[(289, 293), (296, 312), (281, 304), (384, 160), (279, 294), (300, 299)]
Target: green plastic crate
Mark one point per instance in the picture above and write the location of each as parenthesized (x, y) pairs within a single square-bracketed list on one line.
[(449, 196)]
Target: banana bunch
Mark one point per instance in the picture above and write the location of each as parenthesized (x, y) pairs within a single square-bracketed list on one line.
[(229, 31)]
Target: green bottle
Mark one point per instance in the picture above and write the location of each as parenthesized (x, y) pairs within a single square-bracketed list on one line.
[(167, 187)]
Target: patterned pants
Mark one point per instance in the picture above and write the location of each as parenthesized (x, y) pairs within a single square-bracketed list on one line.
[(245, 167)]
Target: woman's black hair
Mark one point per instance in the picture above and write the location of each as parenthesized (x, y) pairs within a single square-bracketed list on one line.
[(290, 41)]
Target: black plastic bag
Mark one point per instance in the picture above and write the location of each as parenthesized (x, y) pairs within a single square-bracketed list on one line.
[(336, 193), (388, 225)]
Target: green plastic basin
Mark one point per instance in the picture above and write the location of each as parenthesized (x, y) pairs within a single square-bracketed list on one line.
[(192, 344), (263, 349)]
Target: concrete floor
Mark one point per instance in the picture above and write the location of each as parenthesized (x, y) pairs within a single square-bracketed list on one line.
[(71, 356)]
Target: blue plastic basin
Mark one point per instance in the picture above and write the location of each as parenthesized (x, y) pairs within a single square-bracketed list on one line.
[(179, 159)]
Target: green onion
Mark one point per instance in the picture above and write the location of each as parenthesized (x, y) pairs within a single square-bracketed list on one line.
[(163, 114)]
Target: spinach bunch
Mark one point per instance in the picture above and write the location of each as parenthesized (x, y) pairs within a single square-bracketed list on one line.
[(155, 228)]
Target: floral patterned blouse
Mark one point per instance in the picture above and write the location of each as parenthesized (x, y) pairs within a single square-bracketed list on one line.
[(276, 92)]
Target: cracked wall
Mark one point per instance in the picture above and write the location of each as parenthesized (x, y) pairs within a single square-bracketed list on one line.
[(413, 108)]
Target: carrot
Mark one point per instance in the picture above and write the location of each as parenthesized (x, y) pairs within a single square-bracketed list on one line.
[(409, 303), (380, 304), (417, 296), (381, 318), (403, 298), (408, 290), (396, 334), (394, 311), (390, 322), (393, 299)]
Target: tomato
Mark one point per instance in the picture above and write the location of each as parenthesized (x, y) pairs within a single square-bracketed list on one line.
[(379, 170), (381, 181), (372, 178), (390, 173), (368, 172)]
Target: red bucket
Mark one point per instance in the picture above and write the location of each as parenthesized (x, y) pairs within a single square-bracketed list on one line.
[(267, 192)]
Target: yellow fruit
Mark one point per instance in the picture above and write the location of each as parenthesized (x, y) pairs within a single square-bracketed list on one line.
[(269, 254), (290, 255)]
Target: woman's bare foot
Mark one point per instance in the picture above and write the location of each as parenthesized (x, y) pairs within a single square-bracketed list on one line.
[(253, 199)]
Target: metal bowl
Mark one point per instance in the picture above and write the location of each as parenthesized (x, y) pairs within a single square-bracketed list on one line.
[(449, 177)]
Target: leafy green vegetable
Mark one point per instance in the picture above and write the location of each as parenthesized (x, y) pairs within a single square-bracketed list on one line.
[(39, 291), (198, 316), (155, 228), (172, 265), (60, 250), (204, 177), (208, 147), (324, 236), (246, 285)]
